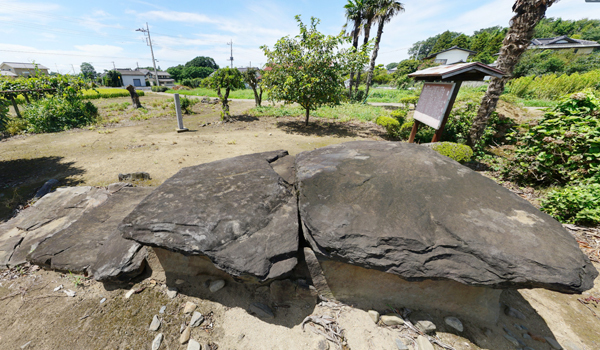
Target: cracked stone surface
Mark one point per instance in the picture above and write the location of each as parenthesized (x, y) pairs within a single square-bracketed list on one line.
[(238, 212), (51, 214), (404, 209), (93, 243)]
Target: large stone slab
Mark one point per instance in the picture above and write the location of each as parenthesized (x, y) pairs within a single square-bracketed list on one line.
[(238, 212), (94, 245), (404, 209), (51, 214)]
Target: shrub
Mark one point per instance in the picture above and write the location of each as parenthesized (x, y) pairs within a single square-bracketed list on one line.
[(107, 93), (187, 103), (574, 204), (413, 100), (400, 115), (390, 124), (458, 152), (563, 147), (3, 114), (57, 114), (552, 86), (159, 88)]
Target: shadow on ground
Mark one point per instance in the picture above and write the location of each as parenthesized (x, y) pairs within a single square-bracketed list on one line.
[(329, 128), (21, 178)]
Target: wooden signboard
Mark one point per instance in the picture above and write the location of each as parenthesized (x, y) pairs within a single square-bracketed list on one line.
[(433, 103)]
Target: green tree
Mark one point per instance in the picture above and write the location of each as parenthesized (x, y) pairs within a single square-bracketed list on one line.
[(113, 79), (422, 49), (88, 71), (252, 77), (227, 79), (309, 68), (444, 42), (461, 41), (408, 66), (385, 10), (202, 61), (195, 72), (479, 42), (176, 72), (391, 65)]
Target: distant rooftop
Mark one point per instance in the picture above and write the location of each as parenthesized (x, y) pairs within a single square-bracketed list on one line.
[(450, 49), (25, 65), (562, 42)]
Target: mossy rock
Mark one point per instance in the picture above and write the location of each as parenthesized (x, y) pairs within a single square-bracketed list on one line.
[(456, 151)]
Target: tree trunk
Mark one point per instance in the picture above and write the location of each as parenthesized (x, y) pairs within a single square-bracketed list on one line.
[(355, 45), (26, 99), (226, 114), (260, 95), (374, 57), (307, 114), (135, 98), (14, 103), (256, 97), (365, 42), (516, 42)]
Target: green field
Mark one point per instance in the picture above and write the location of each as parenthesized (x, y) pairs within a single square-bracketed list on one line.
[(343, 112), (95, 94), (246, 94)]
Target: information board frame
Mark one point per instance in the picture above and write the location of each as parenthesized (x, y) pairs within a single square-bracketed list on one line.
[(437, 121)]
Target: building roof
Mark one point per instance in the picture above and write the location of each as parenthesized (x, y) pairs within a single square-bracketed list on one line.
[(24, 65), (562, 42), (160, 73), (130, 72), (473, 71), (7, 73), (450, 49)]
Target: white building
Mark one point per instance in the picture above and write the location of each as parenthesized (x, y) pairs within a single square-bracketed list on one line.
[(451, 56), (132, 77)]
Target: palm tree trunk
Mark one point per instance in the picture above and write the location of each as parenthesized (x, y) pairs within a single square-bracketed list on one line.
[(374, 56), (355, 45), (516, 42), (365, 42)]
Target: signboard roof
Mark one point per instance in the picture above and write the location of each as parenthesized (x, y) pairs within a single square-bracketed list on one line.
[(456, 71)]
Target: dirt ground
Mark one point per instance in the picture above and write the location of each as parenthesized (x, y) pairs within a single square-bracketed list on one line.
[(32, 313)]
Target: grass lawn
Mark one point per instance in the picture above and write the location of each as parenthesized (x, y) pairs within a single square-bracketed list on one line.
[(343, 112)]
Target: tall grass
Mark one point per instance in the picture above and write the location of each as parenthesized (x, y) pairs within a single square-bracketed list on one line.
[(552, 86)]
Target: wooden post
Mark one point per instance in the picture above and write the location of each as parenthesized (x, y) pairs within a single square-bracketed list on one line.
[(135, 98), (413, 133), (438, 134)]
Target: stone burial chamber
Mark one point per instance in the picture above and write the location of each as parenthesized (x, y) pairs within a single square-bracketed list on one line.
[(386, 222)]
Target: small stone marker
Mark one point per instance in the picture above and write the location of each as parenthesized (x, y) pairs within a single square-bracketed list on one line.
[(189, 307), (454, 323), (392, 320), (215, 286), (185, 336), (194, 345), (197, 319), (180, 127), (157, 341), (374, 315), (155, 325)]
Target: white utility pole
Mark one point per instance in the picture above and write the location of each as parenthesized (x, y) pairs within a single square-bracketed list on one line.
[(149, 43), (231, 57)]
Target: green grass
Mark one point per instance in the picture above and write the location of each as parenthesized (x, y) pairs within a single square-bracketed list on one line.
[(247, 94), (536, 103), (343, 112), (388, 95)]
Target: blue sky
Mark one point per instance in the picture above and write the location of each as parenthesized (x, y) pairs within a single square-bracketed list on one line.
[(62, 33)]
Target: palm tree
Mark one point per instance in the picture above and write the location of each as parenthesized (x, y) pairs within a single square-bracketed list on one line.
[(354, 12), (368, 18), (528, 13), (385, 10)]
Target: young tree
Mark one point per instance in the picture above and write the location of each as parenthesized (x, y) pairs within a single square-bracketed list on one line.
[(252, 77), (528, 13), (309, 68), (384, 12), (88, 71), (227, 79)]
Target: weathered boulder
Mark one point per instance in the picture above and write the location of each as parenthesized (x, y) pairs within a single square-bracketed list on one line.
[(404, 209), (51, 214), (94, 245), (238, 212)]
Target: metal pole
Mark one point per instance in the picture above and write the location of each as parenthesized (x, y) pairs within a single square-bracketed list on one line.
[(152, 51)]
